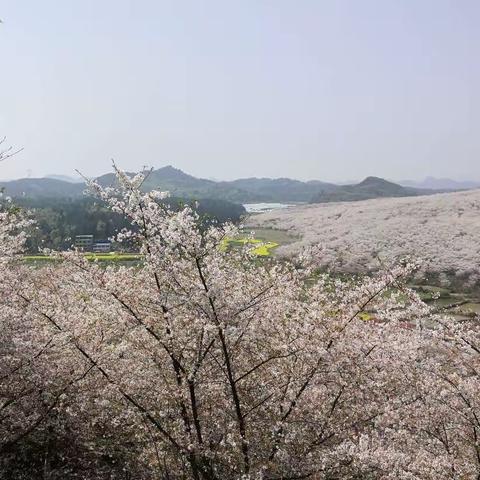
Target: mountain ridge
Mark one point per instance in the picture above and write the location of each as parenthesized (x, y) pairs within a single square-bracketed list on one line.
[(441, 183), (243, 190)]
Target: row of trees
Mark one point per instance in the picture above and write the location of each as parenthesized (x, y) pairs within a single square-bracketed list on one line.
[(212, 365)]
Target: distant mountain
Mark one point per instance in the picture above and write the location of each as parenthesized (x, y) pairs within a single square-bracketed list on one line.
[(180, 184), (281, 189), (42, 188), (441, 184), (65, 178), (371, 187), (245, 190)]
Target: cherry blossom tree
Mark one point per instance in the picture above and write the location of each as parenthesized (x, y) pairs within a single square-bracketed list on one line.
[(441, 230), (210, 364), (7, 152)]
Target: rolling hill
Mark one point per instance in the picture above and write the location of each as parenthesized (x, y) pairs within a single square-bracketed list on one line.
[(42, 188), (371, 187), (440, 230), (441, 183), (282, 189), (246, 190)]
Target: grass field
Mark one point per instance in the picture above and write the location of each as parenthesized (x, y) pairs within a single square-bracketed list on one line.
[(260, 247), (101, 257), (264, 242), (281, 237)]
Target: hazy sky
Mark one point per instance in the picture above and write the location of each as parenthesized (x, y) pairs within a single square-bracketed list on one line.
[(333, 90)]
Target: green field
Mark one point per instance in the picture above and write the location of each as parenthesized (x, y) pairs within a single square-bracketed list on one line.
[(263, 242), (281, 237), (259, 247), (101, 257)]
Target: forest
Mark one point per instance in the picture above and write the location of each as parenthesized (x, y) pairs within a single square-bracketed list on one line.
[(59, 220)]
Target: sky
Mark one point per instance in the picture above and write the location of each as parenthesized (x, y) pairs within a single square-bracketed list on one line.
[(312, 89)]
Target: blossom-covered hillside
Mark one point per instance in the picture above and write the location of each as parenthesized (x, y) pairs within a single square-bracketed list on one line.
[(442, 231)]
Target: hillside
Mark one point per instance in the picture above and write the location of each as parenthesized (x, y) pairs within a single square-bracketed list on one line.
[(246, 190), (371, 187), (57, 223), (281, 189), (66, 178), (42, 188), (441, 183), (179, 183), (442, 230)]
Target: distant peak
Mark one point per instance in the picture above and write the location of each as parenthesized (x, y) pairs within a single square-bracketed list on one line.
[(374, 181), (65, 178), (171, 169), (171, 172)]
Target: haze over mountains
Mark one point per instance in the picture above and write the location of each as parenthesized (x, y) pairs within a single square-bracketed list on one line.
[(371, 187), (65, 178), (247, 190), (441, 183)]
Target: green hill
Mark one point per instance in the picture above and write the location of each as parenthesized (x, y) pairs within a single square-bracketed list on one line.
[(371, 187), (245, 190), (42, 188), (180, 184), (281, 189)]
